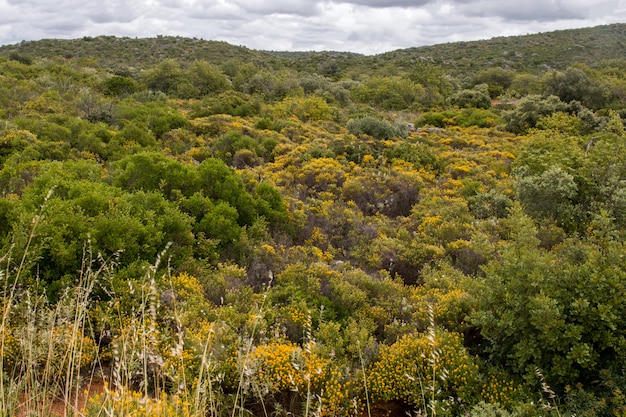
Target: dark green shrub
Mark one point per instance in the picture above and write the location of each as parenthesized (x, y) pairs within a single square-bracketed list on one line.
[(377, 128)]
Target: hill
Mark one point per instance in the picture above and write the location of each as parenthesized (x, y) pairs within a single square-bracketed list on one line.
[(118, 52), (537, 52), (534, 53)]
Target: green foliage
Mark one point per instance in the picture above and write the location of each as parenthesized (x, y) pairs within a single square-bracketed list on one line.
[(463, 118), (165, 77), (498, 80), (549, 195), (226, 146), (489, 204), (156, 116), (524, 84), (550, 311), (206, 78), (529, 110), (227, 102), (270, 85), (306, 109), (575, 85), (477, 97), (391, 93), (437, 85), (155, 172), (377, 128), (120, 86)]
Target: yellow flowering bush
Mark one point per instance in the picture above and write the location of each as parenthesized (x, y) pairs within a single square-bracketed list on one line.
[(283, 366), (336, 398), (499, 388), (67, 344), (134, 404), (450, 307), (10, 349), (418, 365)]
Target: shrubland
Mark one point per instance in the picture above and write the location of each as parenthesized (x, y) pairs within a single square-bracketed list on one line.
[(287, 234)]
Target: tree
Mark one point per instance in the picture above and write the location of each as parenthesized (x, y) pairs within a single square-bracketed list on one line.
[(524, 84), (498, 80), (557, 312), (206, 79), (119, 86), (165, 77), (391, 93), (377, 128), (549, 195), (575, 85), (437, 87), (477, 97), (529, 110)]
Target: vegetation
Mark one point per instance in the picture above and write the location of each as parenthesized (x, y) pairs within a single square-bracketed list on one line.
[(189, 228)]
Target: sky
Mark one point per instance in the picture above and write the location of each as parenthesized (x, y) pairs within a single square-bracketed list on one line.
[(363, 26)]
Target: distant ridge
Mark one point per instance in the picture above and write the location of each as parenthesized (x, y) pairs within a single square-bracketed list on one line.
[(534, 53), (557, 49), (112, 51)]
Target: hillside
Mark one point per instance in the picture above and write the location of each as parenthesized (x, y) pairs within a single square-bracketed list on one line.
[(534, 53), (192, 229), (115, 52)]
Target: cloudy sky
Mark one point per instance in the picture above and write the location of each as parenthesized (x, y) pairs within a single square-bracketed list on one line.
[(364, 26)]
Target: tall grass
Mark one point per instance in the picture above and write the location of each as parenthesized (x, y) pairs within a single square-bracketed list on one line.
[(53, 354), (44, 348)]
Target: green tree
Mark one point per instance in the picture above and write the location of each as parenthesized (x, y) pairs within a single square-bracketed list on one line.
[(554, 312), (377, 128), (498, 80), (153, 171), (529, 110), (574, 84), (119, 86), (524, 84), (206, 79), (391, 93), (164, 77), (477, 97), (549, 196), (437, 87)]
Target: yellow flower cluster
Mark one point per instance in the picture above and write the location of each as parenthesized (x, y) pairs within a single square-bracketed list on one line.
[(187, 286), (336, 398), (64, 340), (286, 367), (450, 306), (368, 160), (135, 404), (10, 350), (430, 223), (17, 134), (407, 370), (500, 389), (296, 314)]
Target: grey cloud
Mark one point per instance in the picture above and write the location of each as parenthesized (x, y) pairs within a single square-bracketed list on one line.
[(215, 12), (526, 10), (365, 26), (112, 12), (98, 11), (379, 4), (289, 7)]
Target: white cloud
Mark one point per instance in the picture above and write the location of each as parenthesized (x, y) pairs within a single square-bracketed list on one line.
[(365, 26)]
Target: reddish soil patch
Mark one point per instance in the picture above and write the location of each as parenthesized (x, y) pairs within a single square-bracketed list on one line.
[(76, 406)]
